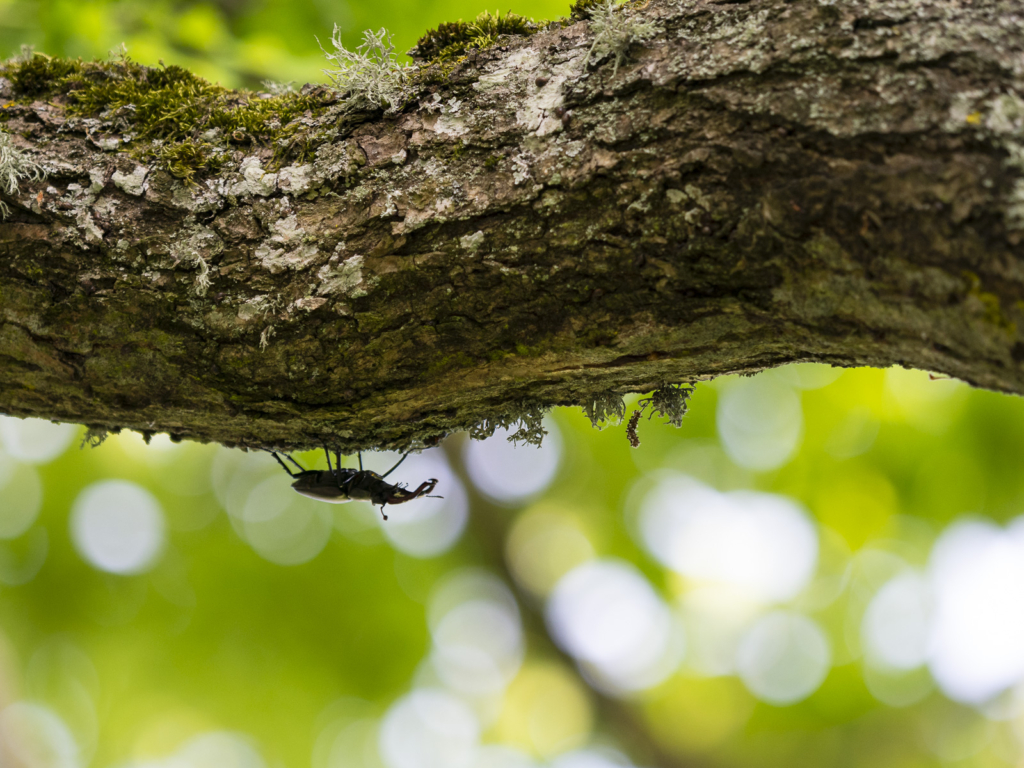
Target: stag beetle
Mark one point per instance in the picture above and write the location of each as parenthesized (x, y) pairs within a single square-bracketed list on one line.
[(338, 485)]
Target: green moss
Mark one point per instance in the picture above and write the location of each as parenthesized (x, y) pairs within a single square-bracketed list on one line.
[(453, 39), (37, 75), (166, 103), (581, 9), (186, 159)]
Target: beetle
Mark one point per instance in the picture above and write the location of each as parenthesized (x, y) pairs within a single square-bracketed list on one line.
[(339, 484)]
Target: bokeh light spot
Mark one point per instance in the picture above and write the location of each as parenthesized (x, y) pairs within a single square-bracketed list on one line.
[(763, 544), (547, 711), (218, 749), (478, 647), (760, 422), (36, 737), (783, 658), (283, 526), (543, 545), (35, 441), (22, 497), (977, 574), (896, 624), (608, 616), (429, 728), (501, 756), (117, 526), (511, 473)]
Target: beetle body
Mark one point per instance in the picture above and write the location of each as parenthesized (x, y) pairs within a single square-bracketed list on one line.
[(336, 485)]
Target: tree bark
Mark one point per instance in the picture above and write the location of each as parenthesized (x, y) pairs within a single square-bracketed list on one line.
[(760, 183)]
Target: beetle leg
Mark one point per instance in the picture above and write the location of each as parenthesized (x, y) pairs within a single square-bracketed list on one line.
[(328, 455), (285, 466), (396, 466), (360, 461)]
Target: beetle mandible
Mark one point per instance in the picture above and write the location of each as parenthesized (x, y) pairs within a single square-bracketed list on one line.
[(340, 484)]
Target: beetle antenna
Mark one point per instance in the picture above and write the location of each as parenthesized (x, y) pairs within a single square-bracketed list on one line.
[(382, 512), (283, 465), (396, 466)]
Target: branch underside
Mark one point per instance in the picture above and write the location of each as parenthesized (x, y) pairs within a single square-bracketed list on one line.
[(763, 183)]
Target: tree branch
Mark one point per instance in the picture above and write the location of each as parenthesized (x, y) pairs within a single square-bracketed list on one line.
[(758, 183)]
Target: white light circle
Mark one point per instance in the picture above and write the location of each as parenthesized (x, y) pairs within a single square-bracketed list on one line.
[(760, 422), (35, 441), (22, 498), (37, 737), (977, 643), (478, 647), (896, 624), (591, 758), (511, 473), (716, 618), (783, 658), (283, 526), (897, 688), (501, 756), (427, 527), (764, 545), (117, 526), (218, 749), (608, 616), (429, 728)]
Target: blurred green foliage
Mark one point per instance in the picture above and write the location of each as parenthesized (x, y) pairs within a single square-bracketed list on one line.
[(232, 42), (216, 637)]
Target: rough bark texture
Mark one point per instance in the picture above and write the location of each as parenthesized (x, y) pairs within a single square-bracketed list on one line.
[(760, 183)]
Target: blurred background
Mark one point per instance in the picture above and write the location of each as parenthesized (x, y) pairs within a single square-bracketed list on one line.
[(822, 567)]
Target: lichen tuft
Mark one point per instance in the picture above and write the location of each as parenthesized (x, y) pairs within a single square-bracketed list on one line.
[(605, 410), (615, 32), (670, 401), (528, 418), (15, 166), (370, 73)]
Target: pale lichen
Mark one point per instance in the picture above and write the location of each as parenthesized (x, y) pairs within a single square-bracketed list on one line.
[(15, 167), (615, 31), (670, 401), (370, 72), (529, 420), (605, 410), (202, 283), (94, 437), (265, 337)]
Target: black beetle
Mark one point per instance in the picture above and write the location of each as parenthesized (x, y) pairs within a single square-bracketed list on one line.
[(337, 485)]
